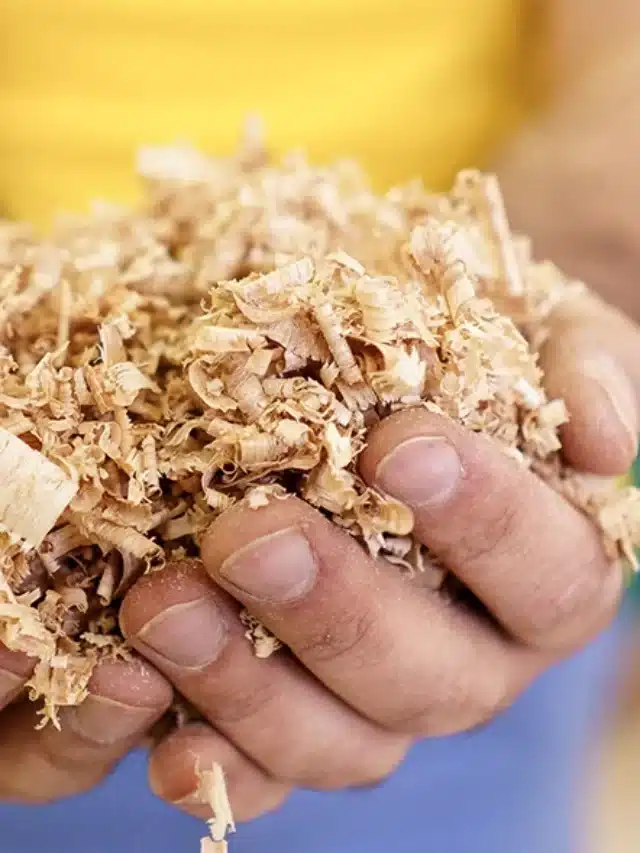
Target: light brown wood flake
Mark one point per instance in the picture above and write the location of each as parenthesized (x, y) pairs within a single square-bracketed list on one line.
[(213, 792), (232, 339)]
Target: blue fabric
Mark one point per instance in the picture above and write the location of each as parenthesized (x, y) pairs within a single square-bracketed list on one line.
[(514, 786)]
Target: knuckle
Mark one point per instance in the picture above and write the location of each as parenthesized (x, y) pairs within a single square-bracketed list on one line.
[(582, 606), (366, 768), (243, 705), (269, 801), (501, 525), (308, 768), (459, 704), (570, 603), (350, 635), (494, 698), (299, 767), (384, 762)]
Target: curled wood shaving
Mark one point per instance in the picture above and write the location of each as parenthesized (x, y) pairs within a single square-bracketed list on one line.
[(213, 792), (34, 493), (233, 339)]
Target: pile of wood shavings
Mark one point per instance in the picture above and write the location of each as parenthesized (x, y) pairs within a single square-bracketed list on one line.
[(234, 338)]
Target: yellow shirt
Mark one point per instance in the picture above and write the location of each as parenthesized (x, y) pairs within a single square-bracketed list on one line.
[(406, 86)]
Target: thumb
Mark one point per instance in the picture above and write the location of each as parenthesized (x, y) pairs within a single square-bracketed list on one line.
[(125, 699)]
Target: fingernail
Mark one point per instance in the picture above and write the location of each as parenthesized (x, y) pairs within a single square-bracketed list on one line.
[(191, 801), (605, 372), (279, 567), (105, 721), (189, 635), (422, 471), (10, 685), (158, 784)]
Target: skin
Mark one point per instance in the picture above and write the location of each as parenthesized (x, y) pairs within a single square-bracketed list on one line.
[(375, 661), (570, 180), (584, 33)]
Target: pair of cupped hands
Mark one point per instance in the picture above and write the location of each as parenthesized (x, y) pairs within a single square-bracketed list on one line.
[(373, 661)]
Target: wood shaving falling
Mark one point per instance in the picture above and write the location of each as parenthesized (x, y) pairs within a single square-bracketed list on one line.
[(213, 792), (233, 338)]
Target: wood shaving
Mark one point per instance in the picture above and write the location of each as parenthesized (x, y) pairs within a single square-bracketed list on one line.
[(233, 338), (212, 792), (263, 641), (35, 492)]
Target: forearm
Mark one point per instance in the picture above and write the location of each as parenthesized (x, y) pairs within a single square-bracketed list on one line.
[(570, 180), (584, 33)]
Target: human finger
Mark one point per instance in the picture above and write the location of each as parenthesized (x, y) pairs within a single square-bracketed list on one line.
[(272, 709), (404, 657), (176, 763), (535, 561), (125, 699), (591, 360)]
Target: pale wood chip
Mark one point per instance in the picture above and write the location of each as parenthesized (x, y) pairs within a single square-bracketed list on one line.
[(34, 491), (232, 339)]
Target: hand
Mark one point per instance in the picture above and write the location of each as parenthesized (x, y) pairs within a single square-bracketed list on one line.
[(571, 181), (125, 699), (375, 660), (592, 361)]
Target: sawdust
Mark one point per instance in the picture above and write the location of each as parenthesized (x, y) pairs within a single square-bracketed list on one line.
[(234, 338)]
